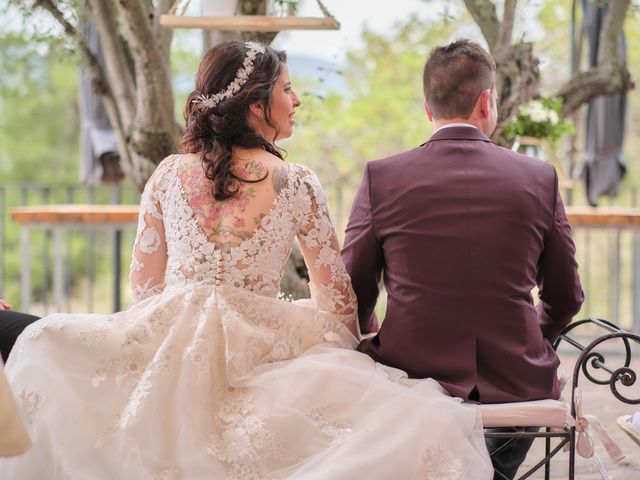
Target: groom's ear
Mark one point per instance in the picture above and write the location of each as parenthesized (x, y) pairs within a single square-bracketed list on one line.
[(426, 109), (484, 103)]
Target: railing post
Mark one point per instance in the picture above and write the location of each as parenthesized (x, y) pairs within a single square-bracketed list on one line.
[(635, 272), (91, 253), (635, 275), (68, 280), (3, 215), (45, 256), (25, 276), (58, 271), (614, 275), (117, 254), (585, 277)]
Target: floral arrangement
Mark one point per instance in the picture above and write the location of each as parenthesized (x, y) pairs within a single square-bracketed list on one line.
[(539, 119)]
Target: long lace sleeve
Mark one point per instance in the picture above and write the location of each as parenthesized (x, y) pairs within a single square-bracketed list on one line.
[(330, 284), (149, 258)]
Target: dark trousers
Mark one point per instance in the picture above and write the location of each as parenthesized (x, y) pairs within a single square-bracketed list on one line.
[(508, 460), (11, 325)]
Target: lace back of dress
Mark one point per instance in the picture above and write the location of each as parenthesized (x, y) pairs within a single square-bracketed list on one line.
[(244, 241)]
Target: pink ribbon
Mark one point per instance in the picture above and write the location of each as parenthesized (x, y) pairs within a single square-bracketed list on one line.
[(588, 426)]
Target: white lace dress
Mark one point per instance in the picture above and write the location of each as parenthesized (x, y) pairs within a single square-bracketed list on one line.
[(210, 376)]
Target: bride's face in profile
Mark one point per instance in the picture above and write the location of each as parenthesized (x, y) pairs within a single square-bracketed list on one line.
[(284, 101)]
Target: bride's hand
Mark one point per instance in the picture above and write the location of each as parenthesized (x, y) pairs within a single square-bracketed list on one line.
[(4, 305)]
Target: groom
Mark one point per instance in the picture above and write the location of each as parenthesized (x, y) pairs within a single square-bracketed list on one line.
[(461, 230)]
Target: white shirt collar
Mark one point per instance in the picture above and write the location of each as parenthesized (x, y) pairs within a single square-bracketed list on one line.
[(449, 125)]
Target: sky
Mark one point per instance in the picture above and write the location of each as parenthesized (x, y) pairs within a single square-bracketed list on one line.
[(353, 15)]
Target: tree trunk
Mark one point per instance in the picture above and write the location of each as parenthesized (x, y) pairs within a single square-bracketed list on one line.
[(517, 75), (255, 7), (133, 78), (517, 81)]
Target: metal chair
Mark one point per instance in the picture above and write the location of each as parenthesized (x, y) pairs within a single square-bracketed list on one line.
[(596, 368)]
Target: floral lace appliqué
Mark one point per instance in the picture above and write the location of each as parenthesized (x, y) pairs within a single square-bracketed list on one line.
[(169, 223), (244, 441), (31, 405), (440, 464)]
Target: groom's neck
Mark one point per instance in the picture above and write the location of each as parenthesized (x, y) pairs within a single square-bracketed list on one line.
[(438, 124)]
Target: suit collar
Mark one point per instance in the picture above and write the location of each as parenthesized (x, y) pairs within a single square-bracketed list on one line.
[(459, 133)]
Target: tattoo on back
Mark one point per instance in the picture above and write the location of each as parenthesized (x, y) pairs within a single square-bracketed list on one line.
[(279, 178)]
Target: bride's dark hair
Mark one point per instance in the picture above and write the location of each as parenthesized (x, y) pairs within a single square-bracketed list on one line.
[(214, 131)]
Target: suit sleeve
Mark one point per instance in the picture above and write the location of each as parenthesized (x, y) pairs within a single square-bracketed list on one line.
[(560, 291), (363, 256)]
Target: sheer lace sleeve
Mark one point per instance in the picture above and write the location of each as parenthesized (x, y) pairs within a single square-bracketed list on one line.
[(149, 259), (330, 284)]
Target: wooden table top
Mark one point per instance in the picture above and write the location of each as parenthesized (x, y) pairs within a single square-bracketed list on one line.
[(604, 216), (85, 214), (105, 214)]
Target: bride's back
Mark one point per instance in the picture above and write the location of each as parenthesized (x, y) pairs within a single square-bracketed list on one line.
[(260, 178), (185, 235)]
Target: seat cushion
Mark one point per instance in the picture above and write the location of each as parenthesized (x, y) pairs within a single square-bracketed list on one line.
[(537, 413)]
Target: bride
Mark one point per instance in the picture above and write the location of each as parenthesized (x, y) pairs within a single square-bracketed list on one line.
[(208, 375)]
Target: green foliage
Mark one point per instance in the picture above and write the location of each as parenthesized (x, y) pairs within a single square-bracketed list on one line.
[(540, 119), (39, 145), (39, 120), (184, 64)]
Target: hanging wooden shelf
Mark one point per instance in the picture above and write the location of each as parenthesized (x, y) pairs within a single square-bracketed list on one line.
[(250, 23)]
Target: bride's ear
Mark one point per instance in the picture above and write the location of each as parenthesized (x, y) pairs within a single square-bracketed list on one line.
[(257, 109)]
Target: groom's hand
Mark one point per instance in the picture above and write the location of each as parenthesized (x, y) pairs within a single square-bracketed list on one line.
[(4, 305)]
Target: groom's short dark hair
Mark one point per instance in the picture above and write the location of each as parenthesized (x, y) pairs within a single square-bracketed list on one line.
[(454, 76)]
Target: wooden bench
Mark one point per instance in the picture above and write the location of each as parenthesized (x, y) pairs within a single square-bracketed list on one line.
[(556, 419)]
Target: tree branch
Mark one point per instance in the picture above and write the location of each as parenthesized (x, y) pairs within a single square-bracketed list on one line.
[(115, 60), (99, 81), (255, 7), (154, 99), (163, 34), (517, 81), (505, 31), (56, 13), (610, 36), (611, 76), (484, 14), (608, 79)]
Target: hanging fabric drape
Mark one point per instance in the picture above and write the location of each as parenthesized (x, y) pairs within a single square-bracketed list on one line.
[(603, 165), (100, 161)]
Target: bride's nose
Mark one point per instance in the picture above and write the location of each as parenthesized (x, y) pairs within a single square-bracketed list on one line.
[(295, 99)]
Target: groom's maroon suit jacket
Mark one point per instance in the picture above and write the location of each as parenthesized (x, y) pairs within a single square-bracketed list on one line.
[(462, 230)]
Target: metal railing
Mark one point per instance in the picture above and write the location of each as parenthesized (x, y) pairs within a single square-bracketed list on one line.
[(90, 256), (608, 256)]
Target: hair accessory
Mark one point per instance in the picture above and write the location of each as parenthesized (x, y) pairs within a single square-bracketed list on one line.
[(242, 75)]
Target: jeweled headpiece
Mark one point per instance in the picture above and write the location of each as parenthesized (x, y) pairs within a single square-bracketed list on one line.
[(242, 75)]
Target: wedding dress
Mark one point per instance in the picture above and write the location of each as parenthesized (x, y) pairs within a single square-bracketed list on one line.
[(209, 375)]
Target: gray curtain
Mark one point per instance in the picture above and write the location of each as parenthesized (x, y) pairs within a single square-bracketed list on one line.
[(603, 166), (98, 145)]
